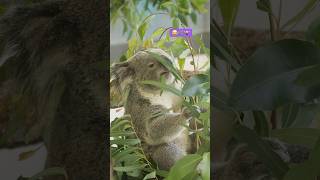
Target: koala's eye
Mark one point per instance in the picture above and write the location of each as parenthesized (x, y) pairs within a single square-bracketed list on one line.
[(150, 65)]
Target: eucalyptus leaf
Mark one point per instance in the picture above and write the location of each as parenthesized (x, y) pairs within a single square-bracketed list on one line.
[(302, 136), (129, 168), (184, 166), (204, 166), (309, 77), (193, 17), (142, 29), (267, 81), (220, 100), (125, 141), (220, 47), (301, 14), (194, 86), (264, 5), (261, 123), (289, 114), (175, 23), (28, 154), (124, 152), (151, 175), (229, 9), (298, 172), (313, 32)]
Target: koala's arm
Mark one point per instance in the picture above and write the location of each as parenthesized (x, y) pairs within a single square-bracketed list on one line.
[(163, 126)]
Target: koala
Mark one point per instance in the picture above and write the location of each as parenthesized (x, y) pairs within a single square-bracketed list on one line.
[(156, 115), (243, 164)]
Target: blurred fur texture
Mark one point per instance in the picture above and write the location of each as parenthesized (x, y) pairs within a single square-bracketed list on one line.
[(48, 87)]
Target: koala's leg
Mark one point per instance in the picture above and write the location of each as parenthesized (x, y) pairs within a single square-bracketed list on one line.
[(166, 155)]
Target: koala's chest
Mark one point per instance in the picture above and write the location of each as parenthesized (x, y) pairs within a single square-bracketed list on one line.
[(166, 99)]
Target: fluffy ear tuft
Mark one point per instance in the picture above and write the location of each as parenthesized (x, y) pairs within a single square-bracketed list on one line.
[(121, 77)]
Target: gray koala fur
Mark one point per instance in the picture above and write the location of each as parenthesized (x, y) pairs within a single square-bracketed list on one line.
[(156, 116), (243, 164)]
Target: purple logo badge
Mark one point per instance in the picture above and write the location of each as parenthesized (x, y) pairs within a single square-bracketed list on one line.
[(180, 32)]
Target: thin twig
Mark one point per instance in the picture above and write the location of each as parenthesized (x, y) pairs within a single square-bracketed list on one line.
[(164, 32), (190, 47)]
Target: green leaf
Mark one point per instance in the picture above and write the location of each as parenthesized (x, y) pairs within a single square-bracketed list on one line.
[(2, 9), (202, 45), (204, 166), (261, 123), (220, 46), (194, 86), (28, 154), (117, 124), (306, 115), (314, 159), (178, 46), (151, 175), (50, 172), (125, 141), (309, 77), (229, 9), (129, 168), (193, 16), (167, 4), (124, 153), (157, 32), (182, 19), (162, 173), (267, 81), (184, 54), (264, 5), (302, 13), (184, 166), (122, 133), (298, 172), (181, 63), (125, 27), (175, 23), (289, 115), (199, 5), (142, 29), (262, 150), (313, 32), (303, 136), (220, 100)]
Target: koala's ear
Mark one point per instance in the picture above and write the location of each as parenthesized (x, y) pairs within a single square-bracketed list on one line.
[(116, 97), (121, 77), (121, 71)]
